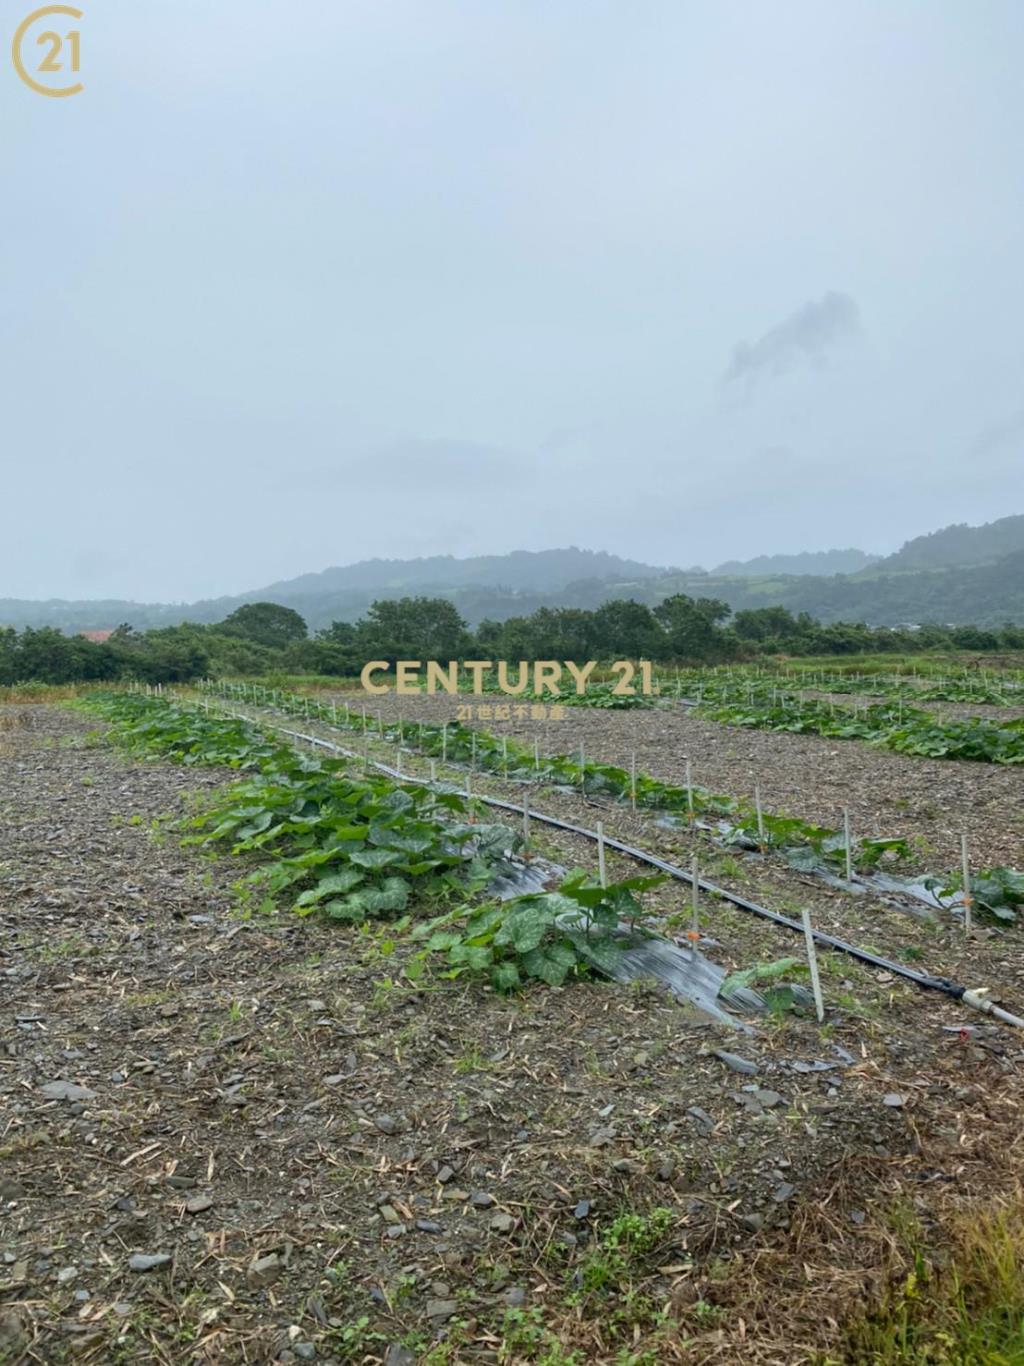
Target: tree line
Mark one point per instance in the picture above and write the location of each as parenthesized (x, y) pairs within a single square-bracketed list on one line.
[(264, 638)]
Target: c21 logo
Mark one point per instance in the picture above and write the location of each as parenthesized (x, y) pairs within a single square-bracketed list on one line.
[(60, 52)]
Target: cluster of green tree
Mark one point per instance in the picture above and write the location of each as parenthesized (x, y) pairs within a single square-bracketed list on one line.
[(679, 629), (252, 640), (47, 655), (775, 630), (264, 637)]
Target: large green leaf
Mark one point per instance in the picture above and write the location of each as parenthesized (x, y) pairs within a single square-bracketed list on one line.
[(525, 927), (335, 884), (551, 963), (375, 858)]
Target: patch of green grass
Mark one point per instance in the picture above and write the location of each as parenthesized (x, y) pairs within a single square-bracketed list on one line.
[(967, 1310), (472, 1060), (72, 947), (624, 1250)]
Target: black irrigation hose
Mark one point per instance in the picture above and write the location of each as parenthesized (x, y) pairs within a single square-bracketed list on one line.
[(976, 997)]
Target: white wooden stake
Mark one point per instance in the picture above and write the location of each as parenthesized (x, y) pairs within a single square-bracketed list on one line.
[(760, 814), (965, 863), (694, 935), (812, 963), (433, 770), (602, 875)]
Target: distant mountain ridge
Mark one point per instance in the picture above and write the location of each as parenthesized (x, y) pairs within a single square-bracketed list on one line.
[(806, 562), (960, 574), (520, 569), (959, 545)]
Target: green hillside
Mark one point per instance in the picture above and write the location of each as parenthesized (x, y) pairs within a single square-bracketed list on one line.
[(959, 575)]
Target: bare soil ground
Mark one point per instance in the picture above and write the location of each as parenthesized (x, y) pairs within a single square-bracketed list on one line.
[(329, 1165)]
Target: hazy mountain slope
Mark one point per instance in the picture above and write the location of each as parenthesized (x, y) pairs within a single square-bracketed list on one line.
[(544, 570), (807, 562), (960, 545), (986, 595), (886, 593), (344, 593)]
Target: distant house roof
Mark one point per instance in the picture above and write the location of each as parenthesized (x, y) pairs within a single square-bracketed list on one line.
[(98, 636)]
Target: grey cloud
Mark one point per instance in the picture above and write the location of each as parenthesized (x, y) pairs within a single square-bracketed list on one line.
[(466, 278), (996, 435), (805, 338)]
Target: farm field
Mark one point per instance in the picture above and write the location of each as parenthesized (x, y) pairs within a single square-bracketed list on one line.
[(446, 920), (345, 1164), (929, 801)]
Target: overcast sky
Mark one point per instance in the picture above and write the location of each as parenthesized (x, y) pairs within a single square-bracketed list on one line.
[(295, 284)]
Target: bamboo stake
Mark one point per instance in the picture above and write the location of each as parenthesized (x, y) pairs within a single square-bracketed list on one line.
[(632, 779), (583, 769), (965, 862), (694, 934), (536, 754), (504, 755), (760, 815), (526, 826), (689, 790), (444, 743), (848, 844), (812, 963), (602, 875), (433, 770)]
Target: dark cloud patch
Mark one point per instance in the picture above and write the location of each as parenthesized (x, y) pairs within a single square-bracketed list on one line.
[(805, 338)]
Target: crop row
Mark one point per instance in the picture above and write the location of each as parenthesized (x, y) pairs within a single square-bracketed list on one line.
[(906, 730), (736, 684), (452, 742), (355, 848), (805, 847)]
